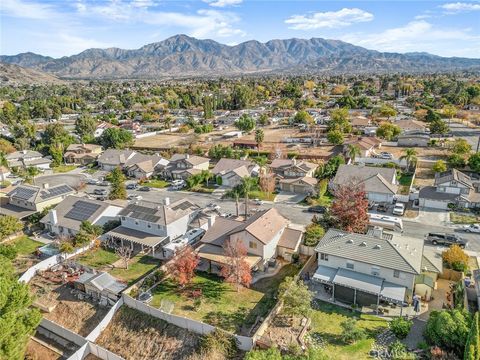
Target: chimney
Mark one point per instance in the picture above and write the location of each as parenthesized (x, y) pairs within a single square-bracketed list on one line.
[(187, 156), (377, 232), (211, 220), (294, 161), (24, 151), (166, 202), (53, 216), (45, 186)]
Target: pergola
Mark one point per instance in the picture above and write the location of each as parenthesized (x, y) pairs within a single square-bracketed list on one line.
[(137, 237)]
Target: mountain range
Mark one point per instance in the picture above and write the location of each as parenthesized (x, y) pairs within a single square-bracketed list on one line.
[(184, 56)]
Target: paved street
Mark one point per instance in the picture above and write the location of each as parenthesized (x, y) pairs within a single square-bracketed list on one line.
[(469, 134)]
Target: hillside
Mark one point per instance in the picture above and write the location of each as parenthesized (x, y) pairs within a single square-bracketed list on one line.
[(181, 55), (14, 74)]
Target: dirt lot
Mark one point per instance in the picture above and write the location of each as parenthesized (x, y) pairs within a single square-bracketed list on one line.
[(282, 331), (424, 177), (134, 335), (430, 153), (59, 305), (42, 348)]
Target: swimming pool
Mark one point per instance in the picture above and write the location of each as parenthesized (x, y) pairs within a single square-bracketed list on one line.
[(49, 249)]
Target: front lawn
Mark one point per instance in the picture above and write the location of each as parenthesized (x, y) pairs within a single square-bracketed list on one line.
[(326, 319), (221, 304), (158, 184), (97, 258), (459, 218), (138, 266), (262, 195), (64, 168)]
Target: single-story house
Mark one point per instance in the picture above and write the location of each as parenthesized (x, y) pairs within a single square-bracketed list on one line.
[(366, 144), (303, 185), (413, 139), (28, 158), (232, 171)]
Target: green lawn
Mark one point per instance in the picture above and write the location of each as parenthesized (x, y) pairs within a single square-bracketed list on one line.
[(262, 195), (325, 200), (222, 305), (64, 168), (203, 188), (459, 218), (405, 179), (326, 319), (138, 267), (97, 258), (159, 184), (24, 245)]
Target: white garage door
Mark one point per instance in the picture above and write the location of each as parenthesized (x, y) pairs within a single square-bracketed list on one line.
[(435, 204), (379, 197)]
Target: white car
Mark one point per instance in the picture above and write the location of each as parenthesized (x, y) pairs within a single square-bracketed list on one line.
[(135, 197), (399, 209), (92, 181), (472, 228), (213, 206), (258, 202)]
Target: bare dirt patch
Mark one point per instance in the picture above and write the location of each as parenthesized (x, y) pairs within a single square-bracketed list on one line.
[(135, 335), (283, 331), (424, 177), (37, 351), (60, 304)]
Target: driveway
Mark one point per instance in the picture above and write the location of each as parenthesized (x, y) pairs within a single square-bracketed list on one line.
[(57, 179), (289, 198), (434, 217)]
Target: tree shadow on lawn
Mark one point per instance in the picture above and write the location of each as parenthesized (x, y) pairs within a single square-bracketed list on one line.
[(227, 321)]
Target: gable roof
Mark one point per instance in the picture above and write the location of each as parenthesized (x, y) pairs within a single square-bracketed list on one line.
[(283, 164), (399, 253), (190, 159), (115, 157), (37, 194), (373, 178), (102, 281), (225, 165), (365, 143), (453, 174), (157, 213)]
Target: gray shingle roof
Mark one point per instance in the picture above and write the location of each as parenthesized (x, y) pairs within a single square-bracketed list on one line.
[(158, 213), (375, 179), (400, 253), (37, 194)]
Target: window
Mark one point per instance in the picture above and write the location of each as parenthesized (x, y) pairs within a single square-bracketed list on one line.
[(149, 226), (123, 218), (324, 256), (252, 245), (136, 222), (375, 271), (396, 273), (350, 265)]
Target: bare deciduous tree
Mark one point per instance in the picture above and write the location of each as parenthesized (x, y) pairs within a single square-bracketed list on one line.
[(124, 253)]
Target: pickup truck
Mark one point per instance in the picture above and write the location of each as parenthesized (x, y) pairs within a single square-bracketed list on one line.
[(446, 239)]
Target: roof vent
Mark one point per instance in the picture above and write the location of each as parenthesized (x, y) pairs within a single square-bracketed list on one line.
[(377, 246), (349, 241), (363, 243)]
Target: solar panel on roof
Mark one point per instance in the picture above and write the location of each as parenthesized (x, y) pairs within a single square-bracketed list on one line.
[(56, 191), (82, 211), (182, 206), (24, 193)]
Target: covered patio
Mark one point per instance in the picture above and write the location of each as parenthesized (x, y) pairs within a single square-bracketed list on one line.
[(213, 258), (361, 290), (134, 237)]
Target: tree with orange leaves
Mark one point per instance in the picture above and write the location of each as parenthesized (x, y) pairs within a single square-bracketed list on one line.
[(182, 266), (237, 270), (350, 207)]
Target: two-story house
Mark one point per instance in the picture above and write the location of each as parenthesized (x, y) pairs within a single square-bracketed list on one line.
[(366, 144), (230, 172), (148, 225), (25, 200), (65, 219), (181, 166), (82, 154), (295, 175), (451, 187), (380, 183), (142, 166), (113, 158), (28, 158), (265, 236), (366, 269)]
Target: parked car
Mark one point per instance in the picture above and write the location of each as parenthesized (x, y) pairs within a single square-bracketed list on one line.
[(135, 197), (382, 207), (144, 188), (92, 182), (100, 192), (386, 155), (132, 186), (317, 209), (446, 239), (399, 209), (213, 206), (104, 183), (472, 228), (258, 202)]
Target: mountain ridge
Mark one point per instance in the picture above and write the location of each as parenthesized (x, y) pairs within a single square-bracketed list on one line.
[(182, 55)]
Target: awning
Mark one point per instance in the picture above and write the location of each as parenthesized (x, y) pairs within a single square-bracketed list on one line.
[(325, 274), (138, 237), (393, 292), (216, 254), (359, 281)]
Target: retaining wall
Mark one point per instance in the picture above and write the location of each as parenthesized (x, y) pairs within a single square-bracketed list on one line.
[(95, 333)]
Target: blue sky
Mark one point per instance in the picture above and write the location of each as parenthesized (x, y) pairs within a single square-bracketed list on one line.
[(59, 28)]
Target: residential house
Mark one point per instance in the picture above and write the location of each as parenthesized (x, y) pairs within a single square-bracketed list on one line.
[(303, 185), (182, 166), (380, 183), (113, 158), (232, 171), (366, 144), (82, 154), (142, 166), (407, 125), (451, 187), (65, 219), (101, 128), (366, 269), (413, 139), (28, 158), (149, 226), (4, 173), (25, 200), (294, 175), (360, 122), (265, 236)]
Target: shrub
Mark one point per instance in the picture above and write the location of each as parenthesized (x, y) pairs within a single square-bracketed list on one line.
[(351, 333), (456, 258), (219, 341), (398, 351), (313, 234), (8, 251), (400, 327)]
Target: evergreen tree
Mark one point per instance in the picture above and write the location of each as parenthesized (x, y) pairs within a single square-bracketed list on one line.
[(117, 181)]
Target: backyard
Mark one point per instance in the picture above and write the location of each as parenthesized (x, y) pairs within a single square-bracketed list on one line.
[(405, 181), (326, 319), (221, 304), (26, 252), (106, 260)]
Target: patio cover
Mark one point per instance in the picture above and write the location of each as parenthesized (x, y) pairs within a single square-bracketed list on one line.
[(393, 292), (216, 254), (135, 236), (325, 274), (363, 282)]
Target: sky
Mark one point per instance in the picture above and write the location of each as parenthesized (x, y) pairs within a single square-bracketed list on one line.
[(65, 27)]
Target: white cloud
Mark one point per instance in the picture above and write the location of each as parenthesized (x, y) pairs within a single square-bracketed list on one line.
[(420, 35), (422, 17), (26, 10), (329, 19), (223, 3), (458, 7)]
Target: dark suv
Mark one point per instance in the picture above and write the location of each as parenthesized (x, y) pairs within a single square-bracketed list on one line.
[(446, 239)]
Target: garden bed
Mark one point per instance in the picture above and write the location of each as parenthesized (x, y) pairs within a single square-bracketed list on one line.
[(464, 218)]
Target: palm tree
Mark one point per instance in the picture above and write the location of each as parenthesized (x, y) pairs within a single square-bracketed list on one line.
[(410, 156), (31, 172), (353, 151), (248, 184), (207, 175), (259, 137), (235, 193)]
